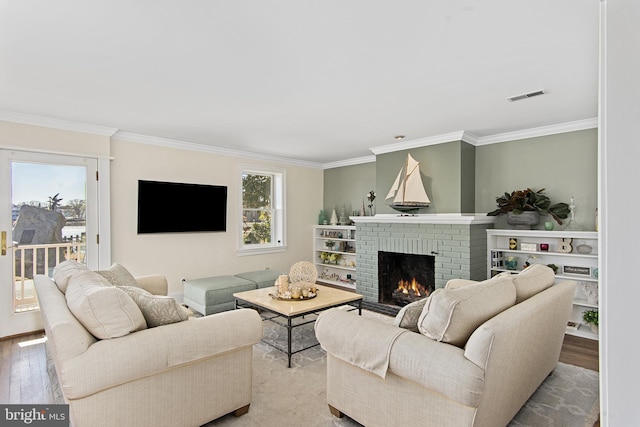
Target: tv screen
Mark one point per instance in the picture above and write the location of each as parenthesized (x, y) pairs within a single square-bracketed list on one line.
[(172, 207)]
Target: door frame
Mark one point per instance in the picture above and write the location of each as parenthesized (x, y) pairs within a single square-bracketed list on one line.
[(98, 227)]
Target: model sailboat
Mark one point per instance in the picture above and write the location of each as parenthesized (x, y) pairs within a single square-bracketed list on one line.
[(407, 191)]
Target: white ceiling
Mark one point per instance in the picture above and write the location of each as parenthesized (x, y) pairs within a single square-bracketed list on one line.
[(320, 81)]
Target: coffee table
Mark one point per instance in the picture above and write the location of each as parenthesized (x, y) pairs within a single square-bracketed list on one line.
[(327, 297)]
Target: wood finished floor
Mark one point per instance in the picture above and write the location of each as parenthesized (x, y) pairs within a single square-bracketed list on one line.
[(24, 378)]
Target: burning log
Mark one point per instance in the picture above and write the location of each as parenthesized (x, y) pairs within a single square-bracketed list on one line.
[(409, 291)]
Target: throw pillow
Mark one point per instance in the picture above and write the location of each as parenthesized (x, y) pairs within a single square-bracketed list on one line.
[(451, 315), (407, 317), (104, 310), (117, 275), (533, 279), (157, 309), (63, 272)]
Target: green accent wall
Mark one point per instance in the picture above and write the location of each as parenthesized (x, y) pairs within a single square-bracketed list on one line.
[(462, 178), (564, 164), (347, 186)]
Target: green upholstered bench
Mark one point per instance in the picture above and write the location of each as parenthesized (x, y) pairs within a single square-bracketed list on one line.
[(210, 295)]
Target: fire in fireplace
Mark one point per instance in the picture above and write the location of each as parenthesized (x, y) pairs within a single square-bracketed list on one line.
[(409, 291), (404, 278)]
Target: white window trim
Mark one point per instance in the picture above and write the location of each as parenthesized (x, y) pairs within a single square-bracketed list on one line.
[(279, 205)]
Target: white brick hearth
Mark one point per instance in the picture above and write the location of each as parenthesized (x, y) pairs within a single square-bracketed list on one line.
[(458, 242)]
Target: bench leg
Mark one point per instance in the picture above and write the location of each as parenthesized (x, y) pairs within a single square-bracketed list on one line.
[(241, 411), (335, 412)]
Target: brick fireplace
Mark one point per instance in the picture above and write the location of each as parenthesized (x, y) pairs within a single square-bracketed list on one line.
[(457, 243)]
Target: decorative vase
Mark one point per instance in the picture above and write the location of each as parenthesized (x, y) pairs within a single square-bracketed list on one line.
[(594, 328), (511, 263), (524, 220)]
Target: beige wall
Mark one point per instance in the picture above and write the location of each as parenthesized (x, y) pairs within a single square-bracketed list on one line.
[(178, 255), (28, 137), (194, 255)]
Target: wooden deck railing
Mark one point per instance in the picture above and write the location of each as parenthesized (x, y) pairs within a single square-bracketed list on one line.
[(29, 260)]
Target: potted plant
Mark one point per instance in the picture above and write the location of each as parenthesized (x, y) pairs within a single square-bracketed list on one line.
[(523, 208), (590, 317), (329, 244)]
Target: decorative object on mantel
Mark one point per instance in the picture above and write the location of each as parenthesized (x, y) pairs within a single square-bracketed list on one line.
[(548, 226), (523, 208), (362, 212), (407, 191), (371, 196)]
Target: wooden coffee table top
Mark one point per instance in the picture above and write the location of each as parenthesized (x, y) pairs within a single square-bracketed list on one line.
[(326, 297)]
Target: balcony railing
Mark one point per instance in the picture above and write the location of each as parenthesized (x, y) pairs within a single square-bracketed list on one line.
[(29, 260)]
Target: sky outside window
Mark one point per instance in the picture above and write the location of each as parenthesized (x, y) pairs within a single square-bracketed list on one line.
[(33, 181)]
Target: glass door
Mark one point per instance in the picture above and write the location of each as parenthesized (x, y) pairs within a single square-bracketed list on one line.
[(48, 215)]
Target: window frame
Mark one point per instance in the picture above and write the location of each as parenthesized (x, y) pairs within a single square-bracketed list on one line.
[(278, 208)]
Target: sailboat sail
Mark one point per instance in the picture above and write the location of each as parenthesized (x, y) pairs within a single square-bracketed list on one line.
[(407, 190)]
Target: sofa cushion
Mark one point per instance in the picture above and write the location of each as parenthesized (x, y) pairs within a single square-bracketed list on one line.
[(157, 309), (451, 315), (104, 310), (408, 315), (117, 275), (533, 279), (63, 272)]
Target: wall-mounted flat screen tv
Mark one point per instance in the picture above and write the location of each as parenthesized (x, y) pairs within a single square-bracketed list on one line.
[(172, 207)]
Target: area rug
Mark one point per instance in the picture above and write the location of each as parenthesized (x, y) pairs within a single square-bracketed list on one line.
[(296, 396)]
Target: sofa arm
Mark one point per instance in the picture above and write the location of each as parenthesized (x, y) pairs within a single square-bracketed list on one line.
[(154, 283), (439, 367), (112, 362)]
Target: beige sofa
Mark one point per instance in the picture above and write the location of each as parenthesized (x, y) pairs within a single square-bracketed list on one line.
[(179, 374), (479, 352)]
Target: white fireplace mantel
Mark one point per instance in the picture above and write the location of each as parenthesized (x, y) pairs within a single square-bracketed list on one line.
[(450, 218)]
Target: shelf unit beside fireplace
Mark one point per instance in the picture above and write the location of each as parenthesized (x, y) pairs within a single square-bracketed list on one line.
[(582, 267), (345, 238)]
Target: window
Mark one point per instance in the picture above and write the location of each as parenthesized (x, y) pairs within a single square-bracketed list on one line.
[(262, 210)]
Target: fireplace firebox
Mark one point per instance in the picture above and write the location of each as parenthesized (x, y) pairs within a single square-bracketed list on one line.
[(404, 278)]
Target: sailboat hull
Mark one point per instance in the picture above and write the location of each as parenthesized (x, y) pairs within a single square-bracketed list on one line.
[(408, 207)]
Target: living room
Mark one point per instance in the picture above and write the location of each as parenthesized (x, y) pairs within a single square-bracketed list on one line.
[(568, 164)]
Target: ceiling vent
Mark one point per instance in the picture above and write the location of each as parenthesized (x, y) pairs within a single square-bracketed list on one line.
[(526, 95)]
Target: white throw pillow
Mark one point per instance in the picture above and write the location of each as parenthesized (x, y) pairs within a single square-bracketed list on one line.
[(63, 272), (104, 310), (157, 309), (451, 315), (117, 275)]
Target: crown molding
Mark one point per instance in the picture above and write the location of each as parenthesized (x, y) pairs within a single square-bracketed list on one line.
[(349, 162), (191, 146), (28, 119), (470, 138), (539, 131), (415, 143)]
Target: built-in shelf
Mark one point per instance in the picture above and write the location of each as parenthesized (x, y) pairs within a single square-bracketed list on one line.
[(342, 271), (498, 250)]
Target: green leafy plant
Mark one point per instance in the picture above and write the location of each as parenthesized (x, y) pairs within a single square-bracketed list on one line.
[(591, 317), (528, 200), (329, 244)]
